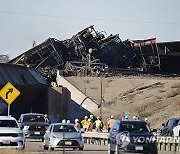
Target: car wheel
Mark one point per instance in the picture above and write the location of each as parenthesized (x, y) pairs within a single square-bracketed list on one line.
[(154, 152), (81, 149), (51, 148), (109, 149), (23, 147), (46, 148)]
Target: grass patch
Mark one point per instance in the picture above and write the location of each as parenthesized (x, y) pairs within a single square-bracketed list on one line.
[(176, 104), (145, 110), (173, 93), (137, 110), (177, 85)]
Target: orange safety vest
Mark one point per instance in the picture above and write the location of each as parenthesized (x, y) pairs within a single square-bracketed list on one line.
[(111, 123)]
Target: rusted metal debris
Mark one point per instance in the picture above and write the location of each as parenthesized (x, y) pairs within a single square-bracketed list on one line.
[(90, 52)]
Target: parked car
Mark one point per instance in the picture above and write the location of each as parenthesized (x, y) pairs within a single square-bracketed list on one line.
[(63, 135), (34, 125), (11, 136), (131, 136), (176, 130), (167, 128)]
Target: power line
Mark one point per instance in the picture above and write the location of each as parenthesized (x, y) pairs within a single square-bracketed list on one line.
[(97, 19)]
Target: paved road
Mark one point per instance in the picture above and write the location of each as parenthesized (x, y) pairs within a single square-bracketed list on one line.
[(36, 147)]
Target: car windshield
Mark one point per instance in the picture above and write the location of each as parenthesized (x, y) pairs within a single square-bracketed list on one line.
[(173, 122), (8, 123), (135, 127), (64, 128), (33, 118)]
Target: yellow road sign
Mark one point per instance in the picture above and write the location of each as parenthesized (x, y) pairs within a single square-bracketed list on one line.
[(9, 93)]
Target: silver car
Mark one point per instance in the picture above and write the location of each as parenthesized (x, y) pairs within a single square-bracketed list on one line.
[(11, 136), (63, 135)]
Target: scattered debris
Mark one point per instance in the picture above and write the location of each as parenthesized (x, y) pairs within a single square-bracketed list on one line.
[(90, 52)]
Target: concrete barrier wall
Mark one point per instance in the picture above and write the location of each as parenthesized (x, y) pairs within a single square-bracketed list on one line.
[(57, 106), (164, 143), (76, 95)]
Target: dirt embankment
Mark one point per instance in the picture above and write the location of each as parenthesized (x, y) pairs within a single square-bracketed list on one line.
[(156, 98)]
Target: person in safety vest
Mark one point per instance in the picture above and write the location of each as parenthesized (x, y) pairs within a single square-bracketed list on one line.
[(84, 123), (111, 122), (98, 124)]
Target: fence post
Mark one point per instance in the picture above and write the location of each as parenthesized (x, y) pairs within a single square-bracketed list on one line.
[(159, 146), (89, 140), (104, 141), (168, 146)]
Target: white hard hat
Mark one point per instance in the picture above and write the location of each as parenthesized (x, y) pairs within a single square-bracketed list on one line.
[(91, 116), (145, 119), (89, 119), (68, 121), (76, 120), (63, 121), (126, 117), (134, 117), (112, 116)]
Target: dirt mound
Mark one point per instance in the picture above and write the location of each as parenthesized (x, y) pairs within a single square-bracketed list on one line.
[(156, 98)]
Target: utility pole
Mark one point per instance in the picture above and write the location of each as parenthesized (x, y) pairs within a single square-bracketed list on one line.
[(101, 96), (89, 59), (34, 44), (86, 79), (88, 68)]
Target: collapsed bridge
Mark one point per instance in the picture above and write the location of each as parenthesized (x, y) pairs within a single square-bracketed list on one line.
[(90, 52)]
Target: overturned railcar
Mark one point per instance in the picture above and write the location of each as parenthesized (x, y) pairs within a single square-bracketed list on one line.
[(54, 54), (156, 57), (90, 51)]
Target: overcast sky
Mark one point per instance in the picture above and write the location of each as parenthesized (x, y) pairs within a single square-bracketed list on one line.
[(23, 21)]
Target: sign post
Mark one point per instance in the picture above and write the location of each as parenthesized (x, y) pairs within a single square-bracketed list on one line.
[(8, 109), (9, 93), (126, 114)]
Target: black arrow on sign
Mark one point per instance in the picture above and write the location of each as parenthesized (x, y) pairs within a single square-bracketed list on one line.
[(10, 91)]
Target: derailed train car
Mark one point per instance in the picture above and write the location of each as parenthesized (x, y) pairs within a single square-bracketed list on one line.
[(90, 52), (161, 57)]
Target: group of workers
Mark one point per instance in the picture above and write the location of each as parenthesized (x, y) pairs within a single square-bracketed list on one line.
[(137, 118), (90, 124)]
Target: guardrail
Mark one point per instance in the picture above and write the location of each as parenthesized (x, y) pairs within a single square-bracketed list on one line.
[(95, 138), (168, 143), (164, 143)]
